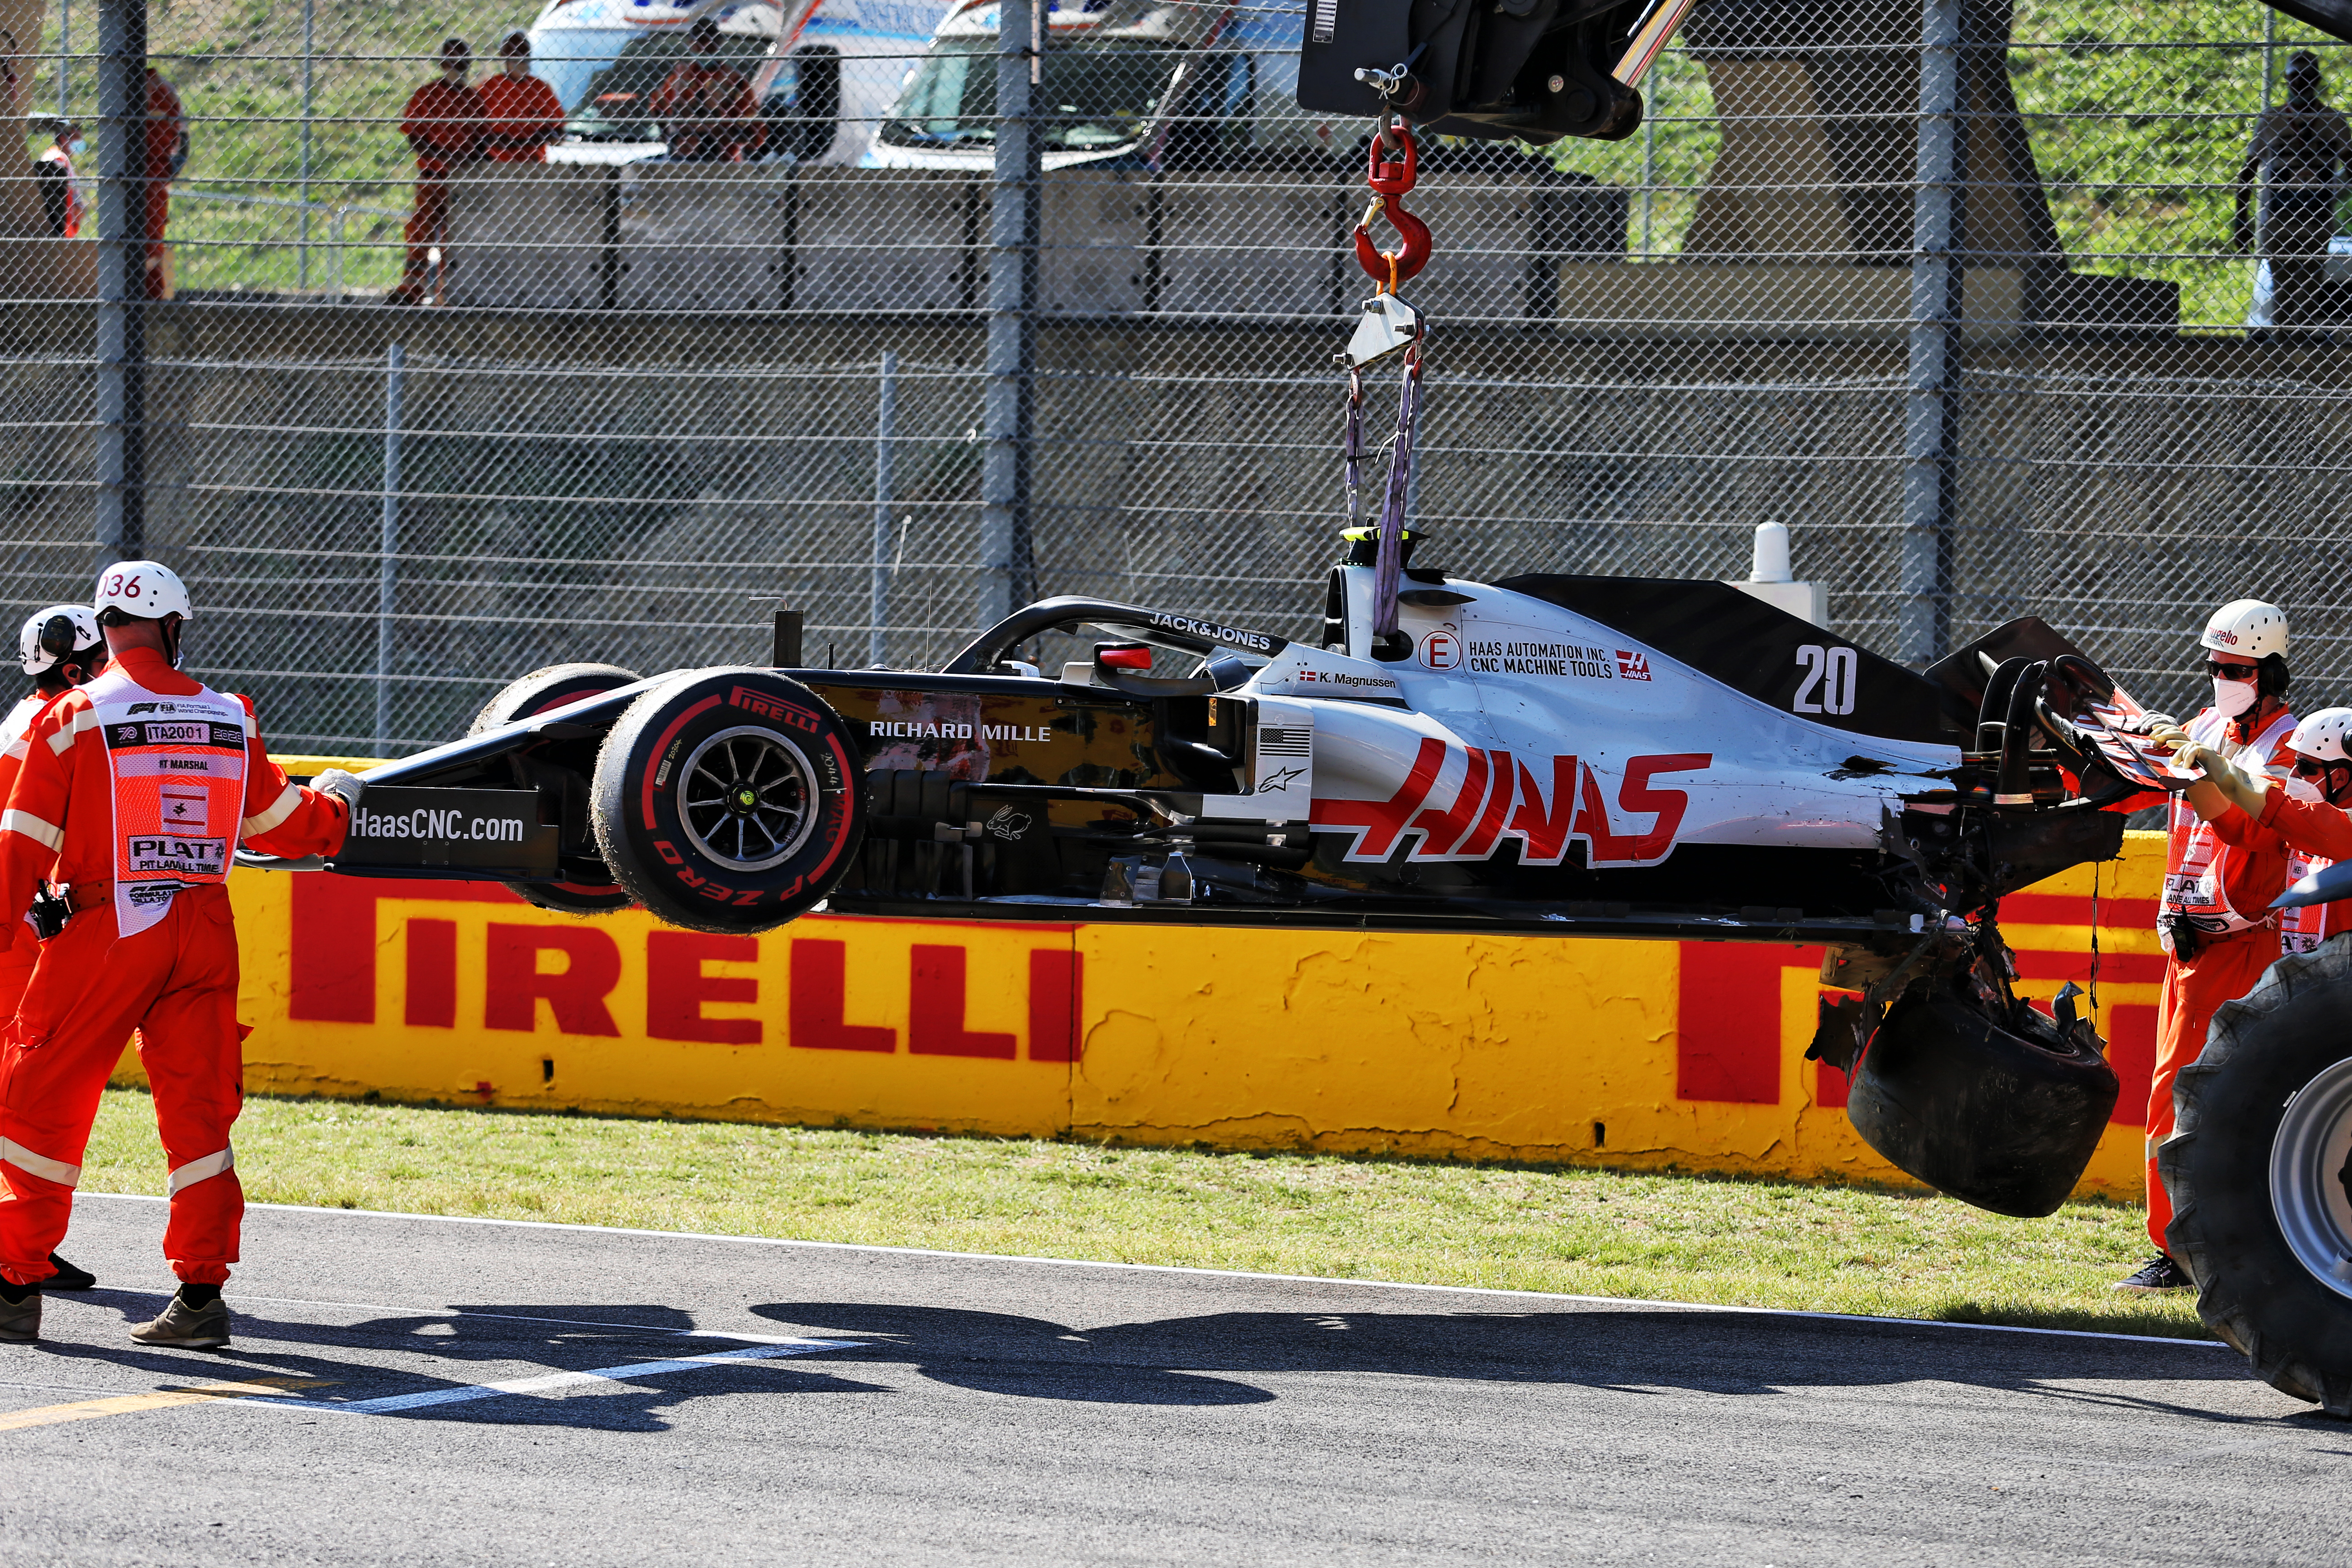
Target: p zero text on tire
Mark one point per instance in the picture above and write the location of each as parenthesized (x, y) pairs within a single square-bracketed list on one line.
[(728, 800)]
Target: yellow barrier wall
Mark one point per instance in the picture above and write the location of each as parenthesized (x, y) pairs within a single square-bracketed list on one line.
[(1638, 1054)]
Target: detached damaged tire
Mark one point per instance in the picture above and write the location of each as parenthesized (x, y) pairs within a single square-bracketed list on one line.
[(2259, 1172), (544, 691), (2004, 1119), (728, 800)]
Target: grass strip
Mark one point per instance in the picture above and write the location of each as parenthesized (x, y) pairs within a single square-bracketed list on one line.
[(1588, 1232)]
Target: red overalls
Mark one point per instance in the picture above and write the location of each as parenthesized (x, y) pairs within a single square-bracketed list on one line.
[(139, 786), (2223, 875), (2317, 836), (21, 947)]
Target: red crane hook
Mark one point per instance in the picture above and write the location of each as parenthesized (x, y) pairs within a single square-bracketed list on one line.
[(1391, 178)]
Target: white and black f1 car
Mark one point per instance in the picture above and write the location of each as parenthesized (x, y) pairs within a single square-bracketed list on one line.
[(1549, 754)]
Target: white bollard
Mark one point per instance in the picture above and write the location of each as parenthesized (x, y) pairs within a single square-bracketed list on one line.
[(1771, 580)]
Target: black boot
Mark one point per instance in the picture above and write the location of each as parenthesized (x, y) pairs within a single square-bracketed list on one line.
[(67, 1276)]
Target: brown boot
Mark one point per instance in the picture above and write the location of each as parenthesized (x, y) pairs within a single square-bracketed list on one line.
[(20, 1322), (184, 1326)]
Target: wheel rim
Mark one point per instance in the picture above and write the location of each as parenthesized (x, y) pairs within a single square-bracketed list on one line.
[(747, 798), (2311, 1177)]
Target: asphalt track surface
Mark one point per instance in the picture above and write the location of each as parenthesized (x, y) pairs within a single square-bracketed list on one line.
[(705, 1400)]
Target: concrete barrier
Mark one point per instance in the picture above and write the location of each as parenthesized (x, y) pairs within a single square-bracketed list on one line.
[(1629, 1053)]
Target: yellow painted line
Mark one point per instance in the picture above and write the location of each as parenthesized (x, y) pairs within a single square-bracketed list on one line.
[(128, 1404)]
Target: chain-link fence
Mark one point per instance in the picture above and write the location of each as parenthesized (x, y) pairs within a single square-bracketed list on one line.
[(636, 320)]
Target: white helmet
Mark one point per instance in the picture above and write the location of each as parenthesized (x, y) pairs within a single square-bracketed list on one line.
[(2323, 735), (142, 589), (2247, 628), (40, 654)]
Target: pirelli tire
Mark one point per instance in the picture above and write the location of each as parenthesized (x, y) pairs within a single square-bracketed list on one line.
[(544, 691), (728, 800), (2260, 1173)]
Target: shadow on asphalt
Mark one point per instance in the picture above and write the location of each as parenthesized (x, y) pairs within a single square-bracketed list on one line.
[(1203, 1360), (1637, 1349), (487, 1342), (1195, 1360)]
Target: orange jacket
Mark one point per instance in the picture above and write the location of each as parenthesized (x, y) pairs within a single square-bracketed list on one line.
[(446, 125), (61, 809), (520, 113), (167, 123), (2324, 834), (707, 110)]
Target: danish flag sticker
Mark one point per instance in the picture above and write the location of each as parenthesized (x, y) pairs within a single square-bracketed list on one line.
[(1632, 664)]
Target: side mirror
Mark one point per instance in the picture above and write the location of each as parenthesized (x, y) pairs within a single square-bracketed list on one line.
[(1534, 69)]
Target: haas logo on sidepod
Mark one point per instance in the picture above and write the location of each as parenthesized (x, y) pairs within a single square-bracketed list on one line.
[(1500, 797)]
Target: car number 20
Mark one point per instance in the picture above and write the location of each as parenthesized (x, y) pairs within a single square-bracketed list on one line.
[(1831, 674)]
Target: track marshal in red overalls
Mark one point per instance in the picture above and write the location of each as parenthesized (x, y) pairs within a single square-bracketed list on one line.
[(2222, 870), (137, 789)]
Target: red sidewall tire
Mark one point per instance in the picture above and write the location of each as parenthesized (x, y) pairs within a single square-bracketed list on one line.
[(687, 863), (543, 690)]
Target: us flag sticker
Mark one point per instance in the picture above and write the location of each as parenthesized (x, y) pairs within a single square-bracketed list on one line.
[(184, 808), (1633, 666)]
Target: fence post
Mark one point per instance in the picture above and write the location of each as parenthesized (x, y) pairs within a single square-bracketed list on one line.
[(121, 347), (65, 58), (1931, 413), (302, 252), (885, 417), (1010, 410), (387, 577)]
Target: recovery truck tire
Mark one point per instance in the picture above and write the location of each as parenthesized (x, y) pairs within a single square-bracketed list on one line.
[(728, 800), (544, 691), (2260, 1171)]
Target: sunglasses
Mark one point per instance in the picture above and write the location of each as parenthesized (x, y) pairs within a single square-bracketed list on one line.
[(2219, 671)]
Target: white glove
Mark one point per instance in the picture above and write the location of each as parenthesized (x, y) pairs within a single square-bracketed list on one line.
[(344, 786), (2150, 723), (2242, 789)]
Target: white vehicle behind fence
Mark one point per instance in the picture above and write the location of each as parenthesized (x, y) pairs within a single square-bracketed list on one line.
[(823, 71), (1124, 81)]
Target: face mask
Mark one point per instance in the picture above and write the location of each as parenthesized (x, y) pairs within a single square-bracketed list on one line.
[(77, 146), (2304, 789), (2231, 697)]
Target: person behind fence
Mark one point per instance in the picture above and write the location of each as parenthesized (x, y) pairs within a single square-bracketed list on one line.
[(446, 124), (61, 647), (54, 171), (134, 794), (523, 113), (2301, 155), (705, 107), (167, 154), (2222, 870)]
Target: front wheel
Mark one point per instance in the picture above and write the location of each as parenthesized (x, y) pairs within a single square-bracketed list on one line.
[(2259, 1172), (728, 800), (544, 691)]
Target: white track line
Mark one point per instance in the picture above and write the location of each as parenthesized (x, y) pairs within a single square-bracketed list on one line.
[(1851, 1318), (553, 1380)]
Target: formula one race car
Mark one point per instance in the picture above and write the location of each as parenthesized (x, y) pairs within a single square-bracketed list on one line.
[(1550, 754)]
